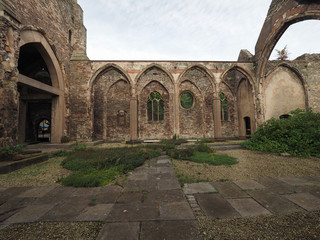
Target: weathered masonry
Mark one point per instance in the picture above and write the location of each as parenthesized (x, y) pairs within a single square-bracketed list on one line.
[(50, 89)]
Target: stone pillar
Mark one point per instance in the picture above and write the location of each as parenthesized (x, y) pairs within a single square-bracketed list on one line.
[(133, 119), (57, 119), (217, 118)]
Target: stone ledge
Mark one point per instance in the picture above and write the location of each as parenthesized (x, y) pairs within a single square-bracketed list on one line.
[(7, 167)]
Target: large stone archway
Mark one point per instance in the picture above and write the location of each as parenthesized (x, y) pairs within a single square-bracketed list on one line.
[(49, 94), (281, 15)]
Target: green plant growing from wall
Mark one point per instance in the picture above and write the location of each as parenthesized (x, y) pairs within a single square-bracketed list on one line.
[(282, 54)]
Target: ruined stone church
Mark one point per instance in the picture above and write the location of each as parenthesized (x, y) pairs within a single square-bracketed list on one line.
[(49, 89)]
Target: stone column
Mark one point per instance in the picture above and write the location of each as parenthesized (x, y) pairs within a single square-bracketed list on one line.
[(133, 119), (57, 119), (217, 118)]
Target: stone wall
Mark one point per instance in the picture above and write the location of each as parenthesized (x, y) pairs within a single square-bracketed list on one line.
[(60, 23), (109, 99)]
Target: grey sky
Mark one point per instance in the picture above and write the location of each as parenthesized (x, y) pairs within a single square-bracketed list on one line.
[(182, 29)]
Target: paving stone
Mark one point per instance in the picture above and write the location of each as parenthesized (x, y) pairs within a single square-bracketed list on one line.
[(164, 161), (13, 192), (247, 207), (30, 213), (295, 181), (2, 189), (86, 192), (120, 231), (7, 214), (249, 184), (202, 187), (64, 192), (313, 180), (313, 190), (108, 194), (67, 210), (168, 184), (167, 196), (215, 206), (168, 169), (57, 195), (171, 230), (15, 203), (276, 186), (146, 185), (138, 176), (133, 212), (131, 197), (274, 202), (36, 192), (229, 190), (95, 213), (173, 211), (305, 200)]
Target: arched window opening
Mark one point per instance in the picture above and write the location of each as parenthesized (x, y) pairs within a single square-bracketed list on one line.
[(155, 107), (285, 116), (186, 100), (44, 132), (224, 107)]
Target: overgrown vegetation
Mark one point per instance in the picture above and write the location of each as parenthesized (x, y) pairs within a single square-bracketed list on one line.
[(10, 149), (98, 167), (202, 153), (298, 135)]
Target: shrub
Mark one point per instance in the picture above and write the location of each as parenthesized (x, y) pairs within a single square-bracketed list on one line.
[(10, 149), (202, 147), (65, 139), (181, 154), (90, 178), (173, 141), (79, 147), (60, 153), (96, 167), (298, 135)]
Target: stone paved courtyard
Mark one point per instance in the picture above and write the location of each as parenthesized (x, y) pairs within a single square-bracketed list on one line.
[(152, 205)]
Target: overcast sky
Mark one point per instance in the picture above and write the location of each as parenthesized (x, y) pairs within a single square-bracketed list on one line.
[(185, 29)]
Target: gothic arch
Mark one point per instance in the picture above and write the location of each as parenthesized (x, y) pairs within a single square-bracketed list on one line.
[(139, 86), (41, 44), (240, 69), (202, 69), (283, 91), (111, 91), (107, 68), (280, 17), (44, 48)]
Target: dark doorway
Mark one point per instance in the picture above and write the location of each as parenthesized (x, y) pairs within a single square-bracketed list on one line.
[(248, 126), (44, 131), (35, 104)]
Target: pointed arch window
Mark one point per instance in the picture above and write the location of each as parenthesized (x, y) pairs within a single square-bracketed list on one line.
[(224, 107), (155, 107)]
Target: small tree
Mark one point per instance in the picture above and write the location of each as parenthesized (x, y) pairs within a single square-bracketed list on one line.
[(282, 54)]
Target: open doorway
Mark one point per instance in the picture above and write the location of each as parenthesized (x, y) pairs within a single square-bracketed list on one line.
[(35, 104), (248, 126)]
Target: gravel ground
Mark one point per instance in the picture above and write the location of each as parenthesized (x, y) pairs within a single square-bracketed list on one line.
[(47, 173), (291, 226), (52, 230), (252, 165)]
